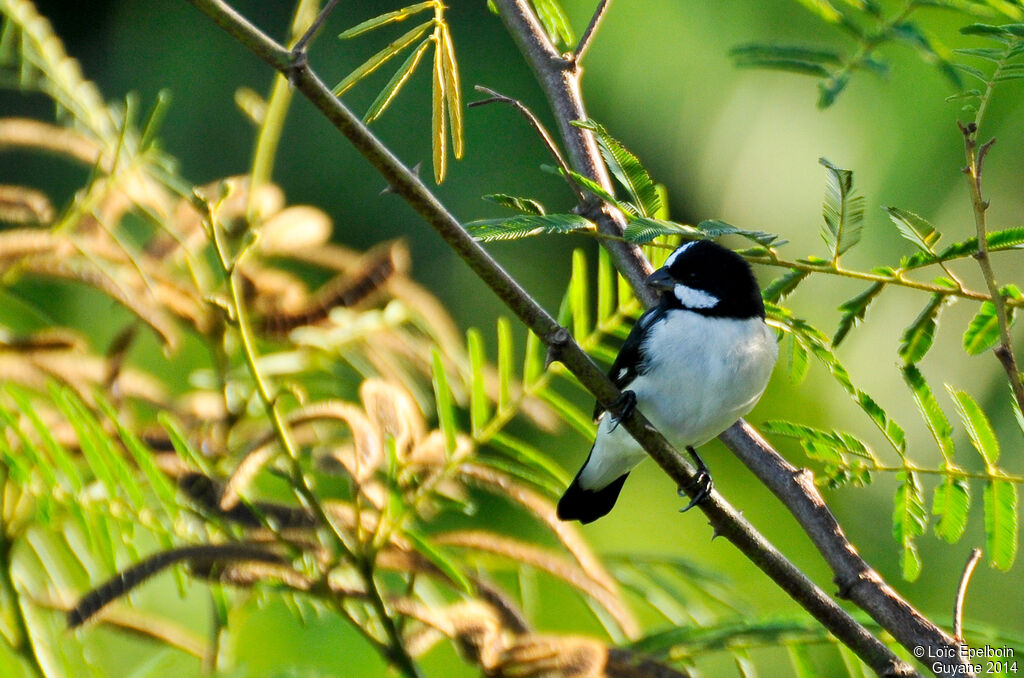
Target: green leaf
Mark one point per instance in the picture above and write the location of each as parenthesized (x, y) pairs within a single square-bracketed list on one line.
[(827, 446), (626, 168), (786, 58), (918, 337), (979, 429), (505, 357), (983, 331), (92, 448), (440, 559), (443, 401), (783, 286), (914, 228), (829, 90), (714, 228), (854, 310), (574, 416), (60, 457), (526, 225), (800, 659), (932, 50), (438, 117), (525, 205), (605, 286), (909, 521), (144, 460), (627, 208), (798, 362), (842, 210), (445, 54), (381, 58), (478, 400), (579, 296), (989, 31), (933, 415), (529, 457), (181, 445), (555, 22), (533, 359), (1001, 516), (951, 505), (401, 76), (811, 339), (643, 230), (386, 18), (987, 53)]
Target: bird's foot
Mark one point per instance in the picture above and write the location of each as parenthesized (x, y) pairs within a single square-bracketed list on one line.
[(623, 406), (701, 480)]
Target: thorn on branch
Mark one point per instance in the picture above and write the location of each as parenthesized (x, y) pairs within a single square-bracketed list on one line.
[(391, 188), (556, 341)]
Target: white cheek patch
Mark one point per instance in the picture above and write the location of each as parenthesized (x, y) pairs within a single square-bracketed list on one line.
[(693, 298), (679, 250)]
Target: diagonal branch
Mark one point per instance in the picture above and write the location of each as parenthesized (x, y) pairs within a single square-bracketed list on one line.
[(725, 519), (857, 580)]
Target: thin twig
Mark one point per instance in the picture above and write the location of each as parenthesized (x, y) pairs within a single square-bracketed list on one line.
[(395, 648), (560, 80), (303, 42), (1004, 351), (588, 35), (497, 97), (961, 593)]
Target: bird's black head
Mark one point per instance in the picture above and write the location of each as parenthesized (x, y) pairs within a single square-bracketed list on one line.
[(709, 279)]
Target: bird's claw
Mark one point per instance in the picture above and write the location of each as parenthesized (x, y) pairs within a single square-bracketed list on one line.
[(702, 481), (624, 405)]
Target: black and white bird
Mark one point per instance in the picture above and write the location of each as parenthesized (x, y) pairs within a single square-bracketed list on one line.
[(693, 364)]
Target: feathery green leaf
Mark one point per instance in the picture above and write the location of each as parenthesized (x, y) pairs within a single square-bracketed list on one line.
[(555, 22), (909, 521), (440, 559), (381, 58), (443, 401), (579, 296), (914, 228), (783, 286), (478, 400), (918, 336), (386, 18), (626, 168), (933, 415), (526, 225), (525, 205), (951, 505), (395, 84), (506, 371), (983, 331), (853, 310), (842, 210), (1001, 522), (979, 429)]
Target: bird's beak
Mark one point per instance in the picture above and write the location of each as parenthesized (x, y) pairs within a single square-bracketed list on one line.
[(660, 280)]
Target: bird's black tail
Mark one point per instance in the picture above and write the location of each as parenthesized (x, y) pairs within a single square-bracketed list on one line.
[(587, 506)]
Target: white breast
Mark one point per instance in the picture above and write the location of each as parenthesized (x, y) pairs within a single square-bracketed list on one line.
[(701, 375)]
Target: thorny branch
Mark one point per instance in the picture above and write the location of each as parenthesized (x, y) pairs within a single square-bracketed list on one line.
[(975, 162), (560, 81)]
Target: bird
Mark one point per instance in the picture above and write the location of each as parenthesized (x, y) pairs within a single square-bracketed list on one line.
[(693, 364)]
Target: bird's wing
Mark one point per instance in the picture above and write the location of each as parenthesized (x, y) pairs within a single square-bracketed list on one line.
[(629, 362)]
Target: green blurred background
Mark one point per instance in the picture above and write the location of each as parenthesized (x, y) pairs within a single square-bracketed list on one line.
[(741, 146)]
